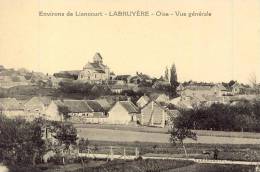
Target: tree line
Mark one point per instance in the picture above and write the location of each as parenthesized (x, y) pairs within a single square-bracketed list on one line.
[(241, 116)]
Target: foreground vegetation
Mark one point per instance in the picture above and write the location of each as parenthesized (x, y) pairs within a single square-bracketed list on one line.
[(139, 165), (226, 151)]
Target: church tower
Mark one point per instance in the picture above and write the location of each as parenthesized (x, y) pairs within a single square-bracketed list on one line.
[(97, 58)]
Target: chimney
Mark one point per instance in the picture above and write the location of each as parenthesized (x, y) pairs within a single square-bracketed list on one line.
[(129, 99)]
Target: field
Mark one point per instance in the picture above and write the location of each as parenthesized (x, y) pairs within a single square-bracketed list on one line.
[(133, 136), (165, 130), (157, 143)]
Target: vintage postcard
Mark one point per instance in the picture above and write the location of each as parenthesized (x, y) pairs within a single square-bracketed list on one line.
[(131, 86)]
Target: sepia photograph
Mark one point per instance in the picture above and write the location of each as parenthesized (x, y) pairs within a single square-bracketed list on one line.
[(129, 86)]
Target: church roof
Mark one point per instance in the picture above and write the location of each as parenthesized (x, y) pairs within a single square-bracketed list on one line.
[(97, 56)]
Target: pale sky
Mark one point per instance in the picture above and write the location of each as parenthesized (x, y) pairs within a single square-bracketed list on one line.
[(222, 47)]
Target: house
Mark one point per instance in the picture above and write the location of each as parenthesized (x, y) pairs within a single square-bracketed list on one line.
[(237, 88), (122, 78), (139, 78), (36, 106), (95, 72), (11, 108), (180, 88), (185, 104), (162, 98), (154, 114), (192, 90), (142, 101), (79, 111), (53, 82), (220, 90), (210, 100), (161, 84), (118, 88), (123, 112)]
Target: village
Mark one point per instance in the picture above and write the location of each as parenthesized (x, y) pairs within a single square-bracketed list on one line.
[(72, 117), (150, 103)]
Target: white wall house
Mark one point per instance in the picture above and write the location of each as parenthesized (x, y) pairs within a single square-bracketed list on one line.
[(123, 112), (11, 108), (79, 111)]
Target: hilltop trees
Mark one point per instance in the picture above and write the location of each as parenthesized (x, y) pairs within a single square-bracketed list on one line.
[(166, 74), (173, 80)]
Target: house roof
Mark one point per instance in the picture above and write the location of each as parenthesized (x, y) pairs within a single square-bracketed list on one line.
[(129, 106), (119, 86), (94, 105), (162, 98), (122, 77), (81, 106), (144, 98), (173, 112), (142, 101), (45, 100), (237, 85), (10, 104), (221, 87), (198, 87), (140, 76), (77, 106), (180, 87), (104, 104)]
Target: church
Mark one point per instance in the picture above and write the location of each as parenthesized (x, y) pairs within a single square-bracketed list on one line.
[(95, 72)]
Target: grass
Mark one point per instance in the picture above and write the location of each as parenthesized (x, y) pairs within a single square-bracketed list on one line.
[(139, 165), (150, 165), (132, 136), (135, 166), (165, 130), (214, 168)]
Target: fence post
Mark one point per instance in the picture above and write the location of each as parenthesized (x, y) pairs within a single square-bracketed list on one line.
[(136, 153), (124, 153), (111, 153)]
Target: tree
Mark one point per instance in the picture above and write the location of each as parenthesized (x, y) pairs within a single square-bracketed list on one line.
[(66, 134), (36, 142), (83, 144), (166, 74), (232, 82), (21, 141), (252, 80), (63, 111), (173, 80), (181, 129)]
